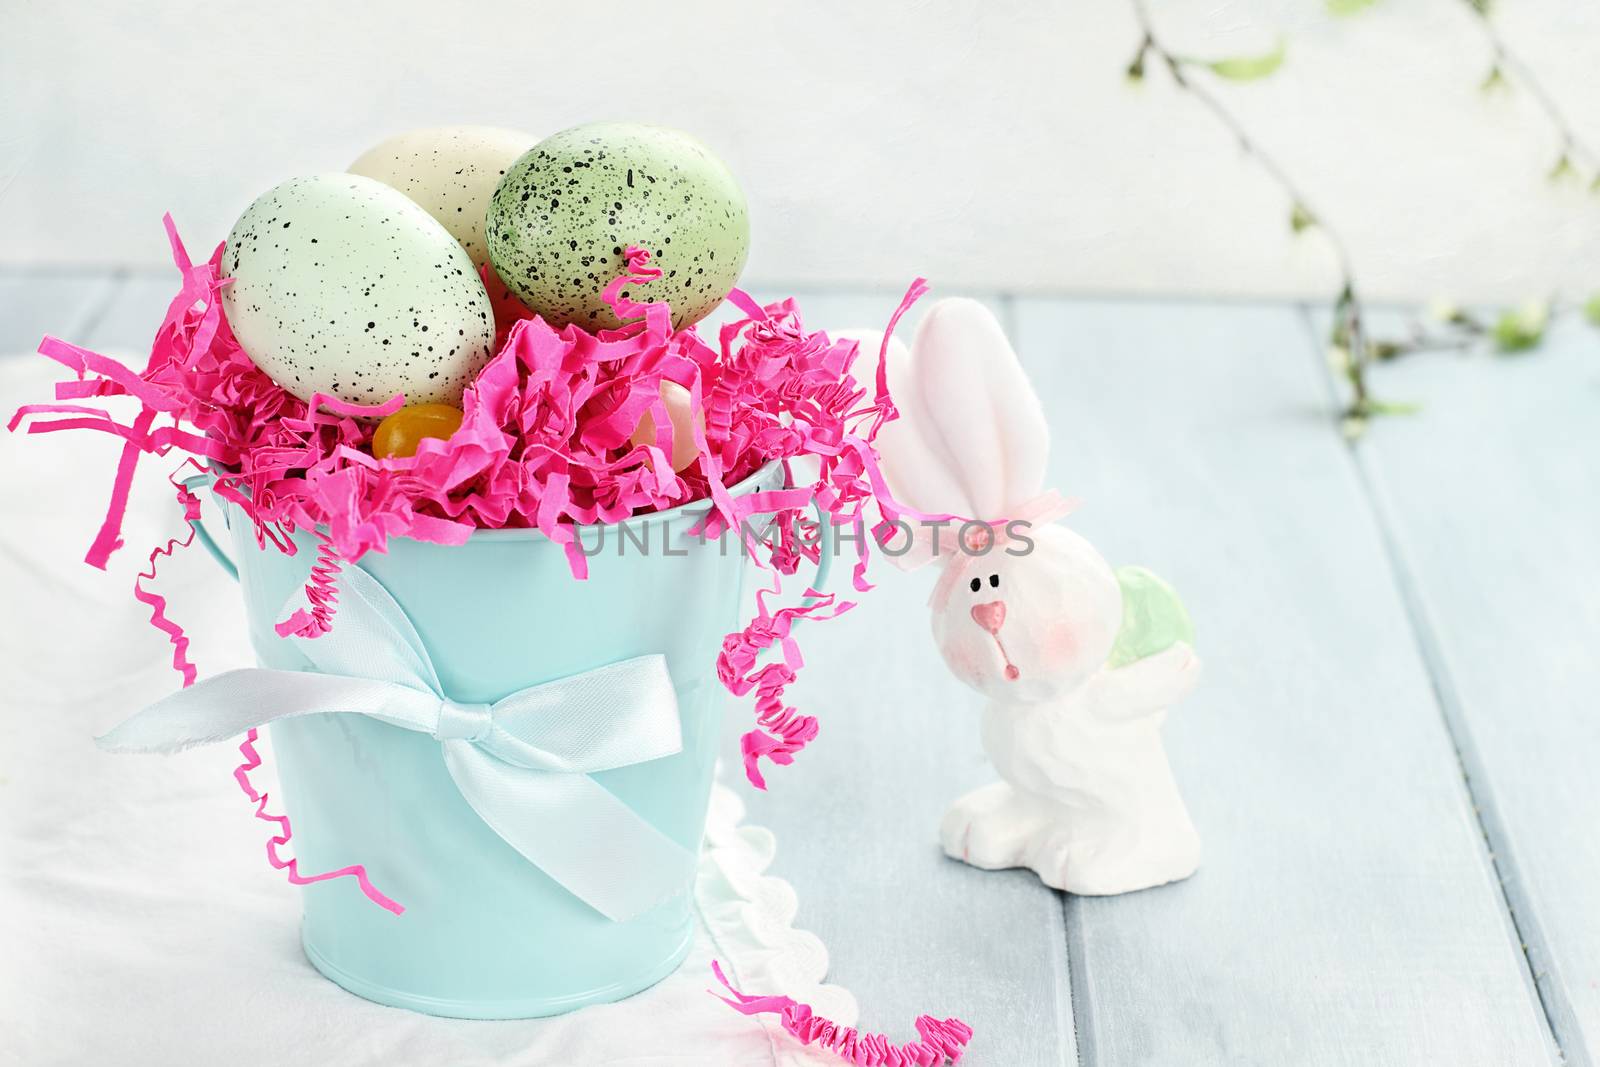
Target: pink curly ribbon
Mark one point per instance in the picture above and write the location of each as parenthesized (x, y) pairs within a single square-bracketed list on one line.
[(849, 478), (782, 731), (322, 590), (157, 603), (942, 1040), (884, 409), (241, 774)]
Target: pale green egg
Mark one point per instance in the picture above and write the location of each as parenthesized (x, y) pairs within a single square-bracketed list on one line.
[(343, 286), (565, 212)]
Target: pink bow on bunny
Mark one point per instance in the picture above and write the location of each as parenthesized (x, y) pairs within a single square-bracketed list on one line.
[(974, 539)]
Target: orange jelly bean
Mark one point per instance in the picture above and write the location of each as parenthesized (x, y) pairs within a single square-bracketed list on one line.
[(398, 435)]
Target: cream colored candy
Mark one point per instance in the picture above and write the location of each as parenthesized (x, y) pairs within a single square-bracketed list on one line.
[(451, 171), (679, 411)]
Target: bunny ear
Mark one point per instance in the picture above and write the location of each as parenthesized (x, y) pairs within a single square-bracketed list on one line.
[(974, 441), (901, 444)]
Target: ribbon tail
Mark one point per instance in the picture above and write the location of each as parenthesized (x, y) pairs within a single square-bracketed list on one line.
[(574, 830), (228, 704)]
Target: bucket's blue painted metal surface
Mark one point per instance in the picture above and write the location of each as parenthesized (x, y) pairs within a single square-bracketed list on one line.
[(485, 933)]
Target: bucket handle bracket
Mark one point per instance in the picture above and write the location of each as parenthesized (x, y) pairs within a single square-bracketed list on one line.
[(194, 484)]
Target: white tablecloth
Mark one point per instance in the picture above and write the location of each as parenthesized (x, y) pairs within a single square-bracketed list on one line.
[(139, 921)]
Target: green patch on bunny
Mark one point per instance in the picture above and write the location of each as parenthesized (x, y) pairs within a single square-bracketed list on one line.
[(1153, 618)]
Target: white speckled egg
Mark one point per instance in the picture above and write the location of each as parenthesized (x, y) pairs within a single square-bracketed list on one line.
[(450, 170), (341, 285)]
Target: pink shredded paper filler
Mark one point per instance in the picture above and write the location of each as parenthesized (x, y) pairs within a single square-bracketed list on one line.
[(544, 443), (241, 774), (942, 1040)]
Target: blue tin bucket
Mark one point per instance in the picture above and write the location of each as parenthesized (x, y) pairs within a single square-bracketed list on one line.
[(485, 933)]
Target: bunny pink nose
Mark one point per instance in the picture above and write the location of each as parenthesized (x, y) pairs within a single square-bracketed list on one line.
[(990, 616)]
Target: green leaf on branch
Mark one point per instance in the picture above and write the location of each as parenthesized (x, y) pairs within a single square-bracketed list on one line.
[(1495, 79), (1301, 219), (1136, 68), (1591, 310), (1522, 328), (1562, 169), (1480, 6), (1250, 68), (1343, 8), (1358, 415), (1443, 309)]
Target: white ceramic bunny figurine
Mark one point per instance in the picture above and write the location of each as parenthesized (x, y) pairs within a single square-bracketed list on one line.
[(1079, 662)]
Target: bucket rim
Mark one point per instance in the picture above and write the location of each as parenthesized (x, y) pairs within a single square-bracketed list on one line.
[(764, 477), (694, 509)]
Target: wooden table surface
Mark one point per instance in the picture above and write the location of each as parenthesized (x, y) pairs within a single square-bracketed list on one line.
[(1390, 758)]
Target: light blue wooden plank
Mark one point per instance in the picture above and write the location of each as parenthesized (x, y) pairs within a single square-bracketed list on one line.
[(35, 303), (1346, 911), (1491, 495), (857, 822)]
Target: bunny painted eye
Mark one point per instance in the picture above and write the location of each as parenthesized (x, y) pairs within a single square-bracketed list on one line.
[(977, 584), (994, 581)]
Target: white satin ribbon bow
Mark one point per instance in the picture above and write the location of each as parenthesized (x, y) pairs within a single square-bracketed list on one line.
[(522, 763)]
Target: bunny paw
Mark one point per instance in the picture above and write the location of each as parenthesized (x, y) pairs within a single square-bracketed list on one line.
[(1103, 868), (991, 827)]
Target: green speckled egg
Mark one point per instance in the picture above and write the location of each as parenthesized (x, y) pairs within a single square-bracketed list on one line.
[(343, 286), (559, 222)]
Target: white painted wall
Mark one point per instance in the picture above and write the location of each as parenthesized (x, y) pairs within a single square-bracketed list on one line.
[(986, 143)]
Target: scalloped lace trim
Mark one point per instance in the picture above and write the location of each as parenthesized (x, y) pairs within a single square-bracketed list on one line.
[(750, 916)]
